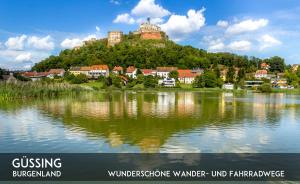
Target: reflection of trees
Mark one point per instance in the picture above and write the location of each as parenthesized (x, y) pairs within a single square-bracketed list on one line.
[(148, 120)]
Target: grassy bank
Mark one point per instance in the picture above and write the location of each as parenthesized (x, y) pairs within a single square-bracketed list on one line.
[(21, 90), (287, 91)]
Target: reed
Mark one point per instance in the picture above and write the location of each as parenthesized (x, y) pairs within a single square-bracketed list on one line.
[(37, 90)]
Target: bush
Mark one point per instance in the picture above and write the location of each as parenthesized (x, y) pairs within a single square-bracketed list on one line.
[(207, 80), (150, 81), (265, 88), (79, 79)]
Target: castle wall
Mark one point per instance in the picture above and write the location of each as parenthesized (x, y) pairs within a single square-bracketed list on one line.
[(151, 35)]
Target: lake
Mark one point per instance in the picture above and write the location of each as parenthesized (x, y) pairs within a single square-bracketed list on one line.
[(165, 122)]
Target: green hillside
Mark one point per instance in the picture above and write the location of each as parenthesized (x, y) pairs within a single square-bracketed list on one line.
[(144, 54)]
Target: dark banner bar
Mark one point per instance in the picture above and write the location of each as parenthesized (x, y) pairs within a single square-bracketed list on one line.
[(148, 167)]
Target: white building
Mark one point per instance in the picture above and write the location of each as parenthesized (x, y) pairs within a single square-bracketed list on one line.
[(259, 74), (99, 70), (228, 86), (163, 72), (131, 72), (167, 82)]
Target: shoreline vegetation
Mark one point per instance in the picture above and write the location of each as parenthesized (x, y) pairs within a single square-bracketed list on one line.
[(27, 90), (42, 89)]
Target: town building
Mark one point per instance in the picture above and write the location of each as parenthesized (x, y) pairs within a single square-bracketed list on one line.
[(295, 67), (223, 74), (56, 72), (259, 74), (148, 72), (163, 72), (131, 72), (98, 70), (198, 71), (75, 70), (187, 76), (264, 66), (35, 76), (114, 37), (167, 82), (9, 78), (117, 70), (85, 70), (228, 86)]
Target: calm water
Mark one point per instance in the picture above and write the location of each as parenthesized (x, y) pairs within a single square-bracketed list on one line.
[(153, 122)]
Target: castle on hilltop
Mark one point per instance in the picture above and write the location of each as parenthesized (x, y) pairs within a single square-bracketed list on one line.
[(147, 31)]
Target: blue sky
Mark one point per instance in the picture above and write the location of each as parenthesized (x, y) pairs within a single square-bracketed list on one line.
[(31, 30)]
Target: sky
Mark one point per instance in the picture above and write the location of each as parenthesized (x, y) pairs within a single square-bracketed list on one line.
[(32, 30)]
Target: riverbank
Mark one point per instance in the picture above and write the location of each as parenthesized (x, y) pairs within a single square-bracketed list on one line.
[(21, 90)]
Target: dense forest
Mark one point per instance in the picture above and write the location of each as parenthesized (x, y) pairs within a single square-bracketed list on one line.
[(150, 54)]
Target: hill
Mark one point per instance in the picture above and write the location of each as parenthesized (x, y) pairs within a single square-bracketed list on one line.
[(143, 54)]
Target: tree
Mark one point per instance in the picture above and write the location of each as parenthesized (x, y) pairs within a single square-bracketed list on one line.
[(150, 81), (116, 81), (230, 75), (139, 72), (265, 88), (276, 64), (241, 74), (208, 80), (79, 79), (174, 74)]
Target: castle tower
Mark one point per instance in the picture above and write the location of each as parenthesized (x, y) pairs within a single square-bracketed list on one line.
[(114, 37)]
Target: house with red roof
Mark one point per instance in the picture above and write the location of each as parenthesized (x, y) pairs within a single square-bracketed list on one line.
[(265, 66), (131, 72), (187, 76), (56, 72), (259, 74), (98, 70), (148, 72), (117, 70), (35, 76)]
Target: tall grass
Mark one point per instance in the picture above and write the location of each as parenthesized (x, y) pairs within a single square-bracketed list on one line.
[(21, 90)]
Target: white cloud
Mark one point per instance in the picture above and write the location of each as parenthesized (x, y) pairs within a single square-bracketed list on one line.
[(242, 45), (247, 26), (214, 45), (24, 57), (41, 43), (74, 42), (116, 2), (267, 41), (179, 26), (148, 8), (16, 43), (222, 23), (97, 29), (124, 18), (71, 43)]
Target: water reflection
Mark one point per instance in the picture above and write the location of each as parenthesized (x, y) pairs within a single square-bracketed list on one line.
[(155, 122)]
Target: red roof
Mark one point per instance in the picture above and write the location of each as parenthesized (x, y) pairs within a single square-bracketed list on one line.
[(29, 74), (166, 69), (35, 74), (261, 72), (186, 74), (147, 71), (264, 65), (118, 68), (56, 71), (130, 69), (99, 67)]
